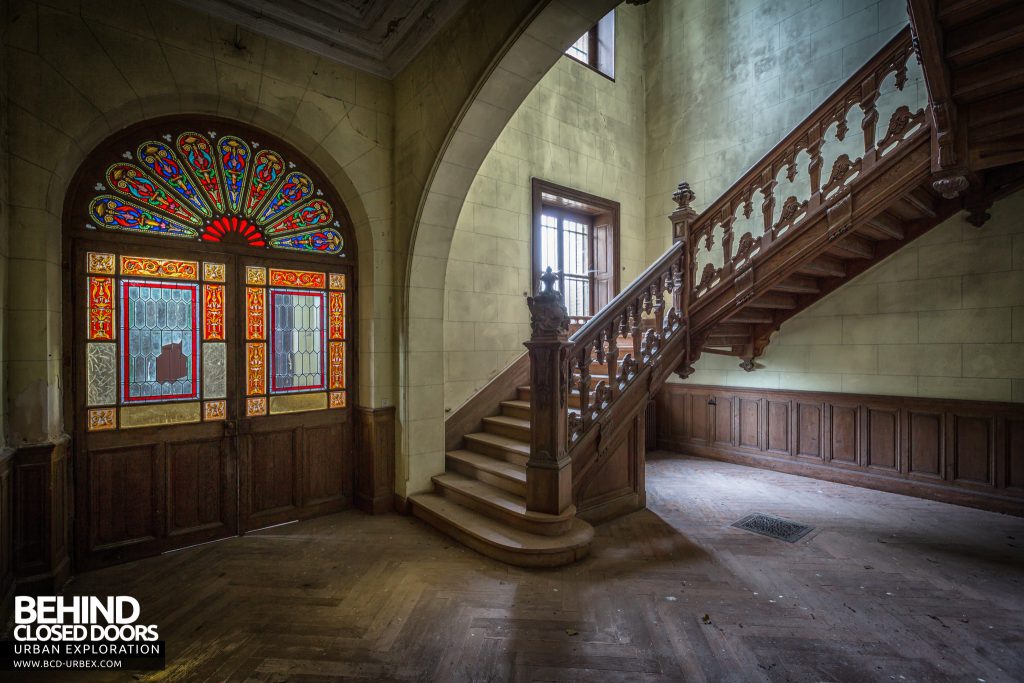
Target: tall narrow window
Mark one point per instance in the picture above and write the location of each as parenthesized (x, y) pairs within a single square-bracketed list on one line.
[(576, 235), (596, 47)]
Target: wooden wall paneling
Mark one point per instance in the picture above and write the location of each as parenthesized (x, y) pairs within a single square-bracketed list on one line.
[(844, 437), (748, 418), (968, 452), (39, 483), (375, 460), (973, 446), (881, 438), (723, 412), (6, 531), (778, 426), (809, 426), (925, 444), (1014, 452), (614, 485)]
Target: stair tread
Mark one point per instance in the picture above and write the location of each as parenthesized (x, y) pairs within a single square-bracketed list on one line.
[(516, 445), (495, 533), (501, 468), (516, 404), (506, 420), (500, 498)]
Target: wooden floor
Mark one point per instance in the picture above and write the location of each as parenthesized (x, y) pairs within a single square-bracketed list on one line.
[(886, 588)]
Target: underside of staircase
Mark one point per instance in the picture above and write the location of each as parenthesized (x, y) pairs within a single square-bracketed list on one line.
[(560, 434)]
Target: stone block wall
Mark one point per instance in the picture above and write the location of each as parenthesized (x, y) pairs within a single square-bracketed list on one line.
[(579, 129)]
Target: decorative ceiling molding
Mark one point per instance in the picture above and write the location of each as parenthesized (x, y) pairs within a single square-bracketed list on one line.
[(378, 36)]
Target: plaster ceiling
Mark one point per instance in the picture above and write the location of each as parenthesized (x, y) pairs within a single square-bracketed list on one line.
[(378, 36)]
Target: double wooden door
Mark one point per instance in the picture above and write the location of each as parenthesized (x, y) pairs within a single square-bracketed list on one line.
[(210, 395)]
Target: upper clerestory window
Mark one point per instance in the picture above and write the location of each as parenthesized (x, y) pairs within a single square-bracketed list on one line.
[(596, 47)]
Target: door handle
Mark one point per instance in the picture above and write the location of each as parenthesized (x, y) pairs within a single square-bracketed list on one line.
[(230, 428)]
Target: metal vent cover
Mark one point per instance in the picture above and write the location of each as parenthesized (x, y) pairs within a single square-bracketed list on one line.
[(774, 527)]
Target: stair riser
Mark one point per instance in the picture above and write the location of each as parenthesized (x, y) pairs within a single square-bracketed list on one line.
[(503, 483), (504, 516), (510, 431), (518, 559), (523, 394), (519, 412), (496, 452)]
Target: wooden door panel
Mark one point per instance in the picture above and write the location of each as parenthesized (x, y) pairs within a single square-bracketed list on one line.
[(201, 490), (124, 490), (327, 471), (271, 482)]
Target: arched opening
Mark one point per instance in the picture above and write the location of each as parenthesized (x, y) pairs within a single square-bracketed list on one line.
[(211, 333)]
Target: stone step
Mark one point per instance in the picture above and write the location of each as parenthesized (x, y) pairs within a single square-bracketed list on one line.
[(500, 473), (501, 505), (513, 428), (500, 541), (517, 409), (514, 451)]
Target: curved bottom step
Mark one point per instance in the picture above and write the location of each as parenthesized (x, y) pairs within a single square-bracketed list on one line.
[(497, 540)]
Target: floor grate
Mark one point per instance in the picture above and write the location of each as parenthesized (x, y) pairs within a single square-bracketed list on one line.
[(774, 527)]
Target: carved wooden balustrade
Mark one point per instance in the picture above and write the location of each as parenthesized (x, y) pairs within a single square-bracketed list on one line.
[(579, 381), (861, 153), (864, 125)]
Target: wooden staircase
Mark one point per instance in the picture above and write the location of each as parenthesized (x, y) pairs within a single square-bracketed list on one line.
[(861, 177), (480, 499)]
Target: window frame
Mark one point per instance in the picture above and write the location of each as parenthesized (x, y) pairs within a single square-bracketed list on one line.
[(594, 208), (594, 34)]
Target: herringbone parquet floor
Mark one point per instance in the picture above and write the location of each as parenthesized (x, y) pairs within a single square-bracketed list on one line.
[(886, 588)]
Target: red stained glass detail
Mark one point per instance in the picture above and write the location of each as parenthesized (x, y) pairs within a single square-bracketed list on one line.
[(336, 369), (213, 315), (235, 230), (297, 278), (336, 315), (101, 308), (255, 368), (255, 313)]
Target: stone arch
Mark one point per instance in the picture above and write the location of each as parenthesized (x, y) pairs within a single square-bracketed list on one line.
[(505, 84), (60, 114)]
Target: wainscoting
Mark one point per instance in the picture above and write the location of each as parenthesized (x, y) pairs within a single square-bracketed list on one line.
[(965, 452)]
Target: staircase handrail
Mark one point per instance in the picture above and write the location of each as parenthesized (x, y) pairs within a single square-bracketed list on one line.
[(740, 248)]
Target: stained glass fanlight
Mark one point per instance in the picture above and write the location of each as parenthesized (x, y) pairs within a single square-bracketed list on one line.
[(216, 188)]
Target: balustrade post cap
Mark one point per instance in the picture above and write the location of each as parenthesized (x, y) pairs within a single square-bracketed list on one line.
[(683, 195), (549, 318)]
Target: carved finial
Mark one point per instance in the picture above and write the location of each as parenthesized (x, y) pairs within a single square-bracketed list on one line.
[(684, 195), (950, 187), (549, 279), (549, 318)]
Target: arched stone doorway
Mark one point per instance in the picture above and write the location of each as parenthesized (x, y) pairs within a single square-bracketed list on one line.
[(210, 329)]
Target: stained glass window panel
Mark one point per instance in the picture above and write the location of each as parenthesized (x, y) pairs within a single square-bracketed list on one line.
[(215, 366), (101, 371), (298, 344), (159, 341)]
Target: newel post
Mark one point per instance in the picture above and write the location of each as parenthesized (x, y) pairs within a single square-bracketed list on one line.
[(682, 220), (549, 470)]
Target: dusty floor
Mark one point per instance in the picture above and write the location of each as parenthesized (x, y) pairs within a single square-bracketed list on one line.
[(885, 588)]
